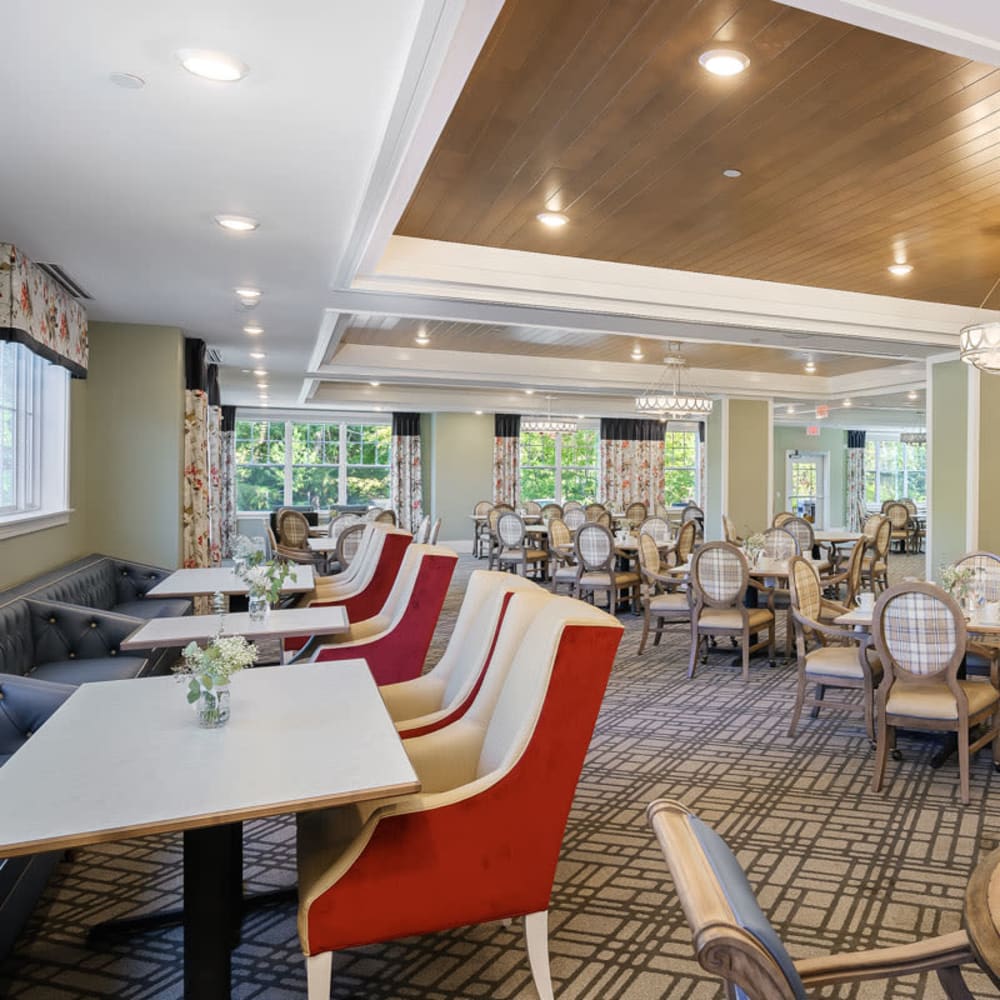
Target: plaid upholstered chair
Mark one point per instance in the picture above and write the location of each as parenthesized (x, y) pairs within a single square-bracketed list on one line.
[(659, 530), (293, 529), (802, 531), (781, 544), (849, 577), (604, 519), (532, 507), (781, 518), (920, 635), (481, 529), (594, 510), (574, 517), (719, 580), (515, 552), (734, 939), (549, 511), (562, 559), (663, 596), (596, 571), (986, 584), (348, 543), (572, 505), (635, 514), (827, 656), (899, 519), (875, 569)]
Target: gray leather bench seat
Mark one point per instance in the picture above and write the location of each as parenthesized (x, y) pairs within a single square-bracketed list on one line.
[(98, 668), (153, 607)]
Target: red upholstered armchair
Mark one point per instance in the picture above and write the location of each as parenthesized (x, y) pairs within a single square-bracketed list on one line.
[(446, 692), (481, 840), (362, 589), (395, 641)]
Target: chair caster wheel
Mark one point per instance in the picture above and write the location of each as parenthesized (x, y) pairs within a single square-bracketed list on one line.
[(772, 663), (996, 767), (896, 754)]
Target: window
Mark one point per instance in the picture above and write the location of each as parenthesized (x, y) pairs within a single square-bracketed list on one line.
[(34, 407), (315, 464), (894, 470), (680, 465), (559, 467)]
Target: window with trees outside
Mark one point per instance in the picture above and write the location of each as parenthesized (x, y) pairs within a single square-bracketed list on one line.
[(315, 464), (680, 465), (34, 434), (894, 470), (559, 467)]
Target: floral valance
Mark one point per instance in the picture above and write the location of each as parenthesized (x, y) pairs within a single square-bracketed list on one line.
[(38, 313)]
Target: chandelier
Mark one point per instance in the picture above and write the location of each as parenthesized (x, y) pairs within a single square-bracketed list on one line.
[(548, 424), (667, 399), (979, 343), (913, 437)]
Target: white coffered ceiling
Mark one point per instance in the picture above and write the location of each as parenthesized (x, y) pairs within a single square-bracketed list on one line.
[(324, 142)]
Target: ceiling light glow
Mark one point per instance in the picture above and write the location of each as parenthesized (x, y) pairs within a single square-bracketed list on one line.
[(554, 220), (253, 329), (375, 384), (848, 403), (912, 394), (248, 293), (809, 367), (724, 62), (210, 64), (479, 413), (637, 354), (732, 173), (258, 355), (260, 372), (237, 223), (900, 269)]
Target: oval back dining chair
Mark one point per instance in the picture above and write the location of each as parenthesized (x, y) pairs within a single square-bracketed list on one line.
[(781, 517), (869, 526), (293, 529), (385, 517), (572, 505), (920, 635), (574, 517), (657, 529), (348, 544), (729, 530), (562, 562), (482, 508), (515, 551), (596, 571), (635, 514), (423, 531), (985, 588), (850, 576), (899, 519), (594, 510), (692, 512), (876, 567), (480, 529), (551, 510), (687, 535), (481, 840), (802, 531), (779, 543), (435, 531), (532, 507), (719, 579), (664, 597)]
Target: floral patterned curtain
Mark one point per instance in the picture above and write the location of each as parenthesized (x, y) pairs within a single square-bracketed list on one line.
[(855, 480), (506, 458), (631, 459), (406, 472), (197, 481), (214, 485)]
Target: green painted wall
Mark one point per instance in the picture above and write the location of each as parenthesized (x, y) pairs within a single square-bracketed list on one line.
[(25, 556), (461, 470), (948, 473), (713, 473), (135, 416), (832, 440), (747, 483), (989, 462)]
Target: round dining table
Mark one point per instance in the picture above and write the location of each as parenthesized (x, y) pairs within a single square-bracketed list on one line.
[(982, 915)]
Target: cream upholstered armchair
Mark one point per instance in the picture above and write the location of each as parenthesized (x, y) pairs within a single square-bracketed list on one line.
[(720, 578), (828, 656), (481, 840), (920, 635), (446, 691), (734, 939), (664, 597)]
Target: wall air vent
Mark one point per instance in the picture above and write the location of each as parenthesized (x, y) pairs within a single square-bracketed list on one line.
[(60, 277), (214, 357)]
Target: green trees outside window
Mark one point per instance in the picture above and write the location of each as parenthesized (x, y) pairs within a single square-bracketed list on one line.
[(559, 467), (894, 470), (680, 466)]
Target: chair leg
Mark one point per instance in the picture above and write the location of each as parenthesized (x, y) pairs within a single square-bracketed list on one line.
[(820, 691), (746, 653), (694, 651), (881, 752), (869, 709), (953, 984), (963, 763), (536, 937), (800, 699), (319, 975), (645, 631)]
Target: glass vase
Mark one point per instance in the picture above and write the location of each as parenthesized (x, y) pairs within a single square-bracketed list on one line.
[(213, 706), (258, 607)]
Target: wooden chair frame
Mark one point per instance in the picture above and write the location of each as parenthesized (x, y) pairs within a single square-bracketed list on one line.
[(653, 583), (585, 566), (516, 541)]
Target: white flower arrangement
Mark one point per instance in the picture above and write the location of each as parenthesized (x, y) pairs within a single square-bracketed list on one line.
[(244, 547), (216, 664), (265, 579)]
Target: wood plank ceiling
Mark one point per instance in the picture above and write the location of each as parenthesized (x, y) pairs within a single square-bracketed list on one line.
[(584, 346), (857, 149)]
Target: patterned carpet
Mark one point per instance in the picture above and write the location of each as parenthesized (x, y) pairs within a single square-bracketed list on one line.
[(835, 866)]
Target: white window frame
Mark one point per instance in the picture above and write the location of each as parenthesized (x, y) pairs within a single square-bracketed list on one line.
[(877, 439), (311, 418), (693, 428), (41, 444), (558, 468)]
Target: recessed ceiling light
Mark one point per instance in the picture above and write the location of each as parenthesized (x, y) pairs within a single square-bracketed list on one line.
[(732, 172), (260, 372), (245, 371), (554, 220), (263, 385), (847, 402), (423, 338), (900, 269), (479, 413), (790, 410), (809, 367), (375, 384), (253, 329), (128, 81), (912, 394), (637, 354), (237, 223), (378, 409), (724, 62), (213, 65), (258, 355), (246, 292), (529, 392), (580, 416)]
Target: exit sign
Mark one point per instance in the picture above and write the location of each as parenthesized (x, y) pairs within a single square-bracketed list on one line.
[(822, 411), (812, 431)]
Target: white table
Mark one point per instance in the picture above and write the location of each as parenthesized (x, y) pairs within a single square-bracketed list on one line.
[(836, 536), (222, 579), (281, 624), (124, 759), (863, 619), (325, 543)]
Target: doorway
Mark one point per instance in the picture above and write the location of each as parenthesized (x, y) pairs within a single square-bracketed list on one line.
[(807, 485)]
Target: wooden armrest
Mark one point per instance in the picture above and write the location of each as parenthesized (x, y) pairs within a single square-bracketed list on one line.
[(882, 963)]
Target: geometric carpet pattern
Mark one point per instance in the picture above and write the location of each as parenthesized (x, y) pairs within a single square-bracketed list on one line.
[(835, 866)]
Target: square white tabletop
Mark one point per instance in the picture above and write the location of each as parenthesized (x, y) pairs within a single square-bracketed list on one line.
[(324, 543), (836, 535), (222, 579), (279, 624), (127, 758), (863, 619)]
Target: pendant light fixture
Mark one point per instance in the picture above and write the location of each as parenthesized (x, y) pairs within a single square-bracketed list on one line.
[(548, 424), (667, 398), (979, 343)]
